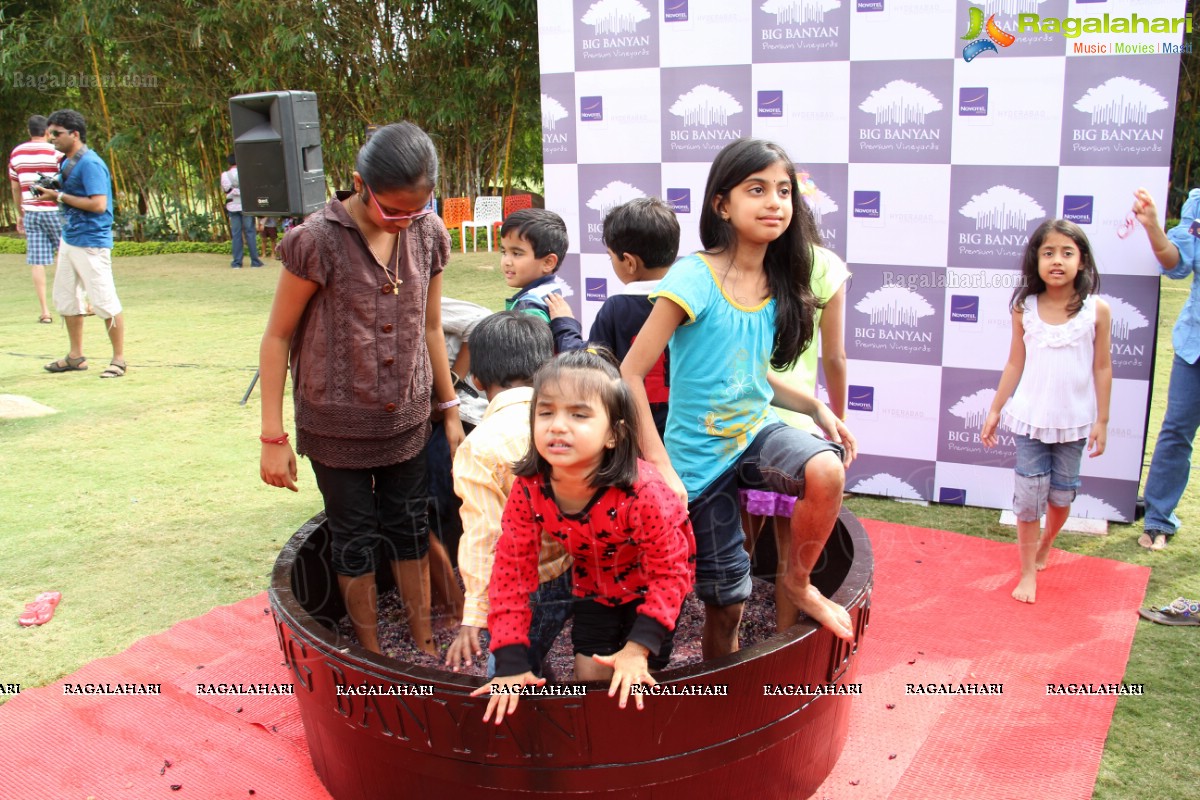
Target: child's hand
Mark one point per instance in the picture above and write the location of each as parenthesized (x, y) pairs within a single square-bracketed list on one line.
[(465, 645), (506, 703), (837, 432), (1144, 210), (558, 307), (988, 434), (1097, 439), (629, 667), (277, 465)]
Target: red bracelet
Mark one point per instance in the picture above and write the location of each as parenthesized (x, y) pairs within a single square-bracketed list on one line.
[(274, 439)]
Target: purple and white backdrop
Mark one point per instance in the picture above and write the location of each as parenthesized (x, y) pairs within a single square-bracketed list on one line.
[(931, 171)]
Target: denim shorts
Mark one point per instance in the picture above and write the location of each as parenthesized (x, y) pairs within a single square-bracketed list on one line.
[(774, 461), (1046, 474)]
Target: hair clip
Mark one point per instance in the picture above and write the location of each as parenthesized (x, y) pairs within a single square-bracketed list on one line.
[(1126, 227)]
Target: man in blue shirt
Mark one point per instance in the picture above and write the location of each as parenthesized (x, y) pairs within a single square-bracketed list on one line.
[(85, 255), (1178, 252)]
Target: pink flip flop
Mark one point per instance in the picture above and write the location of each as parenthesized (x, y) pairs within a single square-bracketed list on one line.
[(41, 610)]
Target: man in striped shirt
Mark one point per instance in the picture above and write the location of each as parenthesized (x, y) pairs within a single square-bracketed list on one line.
[(39, 220)]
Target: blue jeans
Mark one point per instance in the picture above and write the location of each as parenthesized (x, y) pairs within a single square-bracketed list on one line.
[(1173, 452), (239, 225), (1047, 474)]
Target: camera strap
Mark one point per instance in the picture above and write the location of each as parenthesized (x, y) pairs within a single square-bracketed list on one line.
[(69, 166)]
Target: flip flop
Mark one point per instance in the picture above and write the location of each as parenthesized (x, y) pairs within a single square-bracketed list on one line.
[(46, 319), (1181, 612), (41, 610)]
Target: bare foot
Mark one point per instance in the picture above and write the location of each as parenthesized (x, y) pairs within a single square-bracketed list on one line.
[(1041, 558), (821, 609), (1026, 590)]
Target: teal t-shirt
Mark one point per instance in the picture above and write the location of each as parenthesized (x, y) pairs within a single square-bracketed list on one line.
[(87, 178), (720, 355)]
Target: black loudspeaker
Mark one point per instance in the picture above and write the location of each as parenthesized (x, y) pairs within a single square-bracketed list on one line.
[(277, 143)]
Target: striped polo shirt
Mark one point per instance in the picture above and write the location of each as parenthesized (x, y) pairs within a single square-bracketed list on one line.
[(28, 161)]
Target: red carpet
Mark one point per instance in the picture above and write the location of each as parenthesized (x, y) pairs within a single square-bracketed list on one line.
[(941, 614)]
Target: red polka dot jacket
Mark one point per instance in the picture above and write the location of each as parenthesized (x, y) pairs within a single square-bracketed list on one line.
[(627, 544)]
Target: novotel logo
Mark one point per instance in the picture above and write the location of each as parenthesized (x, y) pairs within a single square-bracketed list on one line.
[(867, 205), (595, 289), (861, 398), (591, 109), (680, 200), (964, 308), (675, 11), (770, 103), (952, 496), (869, 5), (973, 101), (1077, 208)]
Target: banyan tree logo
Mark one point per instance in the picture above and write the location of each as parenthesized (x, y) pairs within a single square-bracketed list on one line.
[(613, 195), (886, 485), (894, 305), (799, 12), (706, 105), (1002, 208), (552, 112), (995, 35), (615, 17), (1126, 317), (1121, 101), (901, 102), (1086, 505), (973, 409), (820, 204)]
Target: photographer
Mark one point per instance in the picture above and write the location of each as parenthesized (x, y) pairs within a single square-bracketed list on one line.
[(85, 255)]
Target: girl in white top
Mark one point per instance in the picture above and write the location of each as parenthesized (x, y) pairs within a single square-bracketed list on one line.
[(1060, 366)]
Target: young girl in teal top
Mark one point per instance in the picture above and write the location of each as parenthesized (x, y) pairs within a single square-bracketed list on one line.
[(732, 312)]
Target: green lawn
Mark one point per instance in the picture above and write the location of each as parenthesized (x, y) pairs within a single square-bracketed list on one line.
[(140, 500)]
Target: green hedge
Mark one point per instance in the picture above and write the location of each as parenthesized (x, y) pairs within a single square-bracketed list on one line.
[(11, 246)]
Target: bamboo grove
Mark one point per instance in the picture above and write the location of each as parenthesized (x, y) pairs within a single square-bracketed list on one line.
[(154, 78)]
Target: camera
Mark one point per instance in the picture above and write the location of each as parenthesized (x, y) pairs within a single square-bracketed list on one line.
[(50, 182)]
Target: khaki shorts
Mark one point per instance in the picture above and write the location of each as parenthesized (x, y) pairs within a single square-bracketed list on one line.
[(85, 270)]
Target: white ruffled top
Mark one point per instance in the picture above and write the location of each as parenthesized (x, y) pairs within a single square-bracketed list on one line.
[(1055, 400)]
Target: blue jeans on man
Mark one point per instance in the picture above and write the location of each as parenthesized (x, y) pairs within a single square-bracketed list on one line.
[(239, 225), (1172, 461)]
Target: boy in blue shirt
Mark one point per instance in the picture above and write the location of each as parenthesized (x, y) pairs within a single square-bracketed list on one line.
[(85, 256), (533, 244)]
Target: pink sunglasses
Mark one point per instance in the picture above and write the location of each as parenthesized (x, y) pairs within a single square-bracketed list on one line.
[(424, 212)]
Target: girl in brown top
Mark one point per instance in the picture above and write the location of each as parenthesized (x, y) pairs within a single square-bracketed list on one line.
[(357, 314)]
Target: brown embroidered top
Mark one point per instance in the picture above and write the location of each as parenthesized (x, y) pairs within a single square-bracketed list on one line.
[(361, 378)]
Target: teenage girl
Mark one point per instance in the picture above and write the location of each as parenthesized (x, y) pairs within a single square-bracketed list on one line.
[(357, 314), (1060, 366), (732, 312), (582, 483)]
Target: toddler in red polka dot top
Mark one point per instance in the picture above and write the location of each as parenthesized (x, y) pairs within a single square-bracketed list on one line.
[(629, 535)]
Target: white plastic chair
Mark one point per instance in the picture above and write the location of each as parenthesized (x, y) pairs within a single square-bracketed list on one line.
[(488, 210)]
